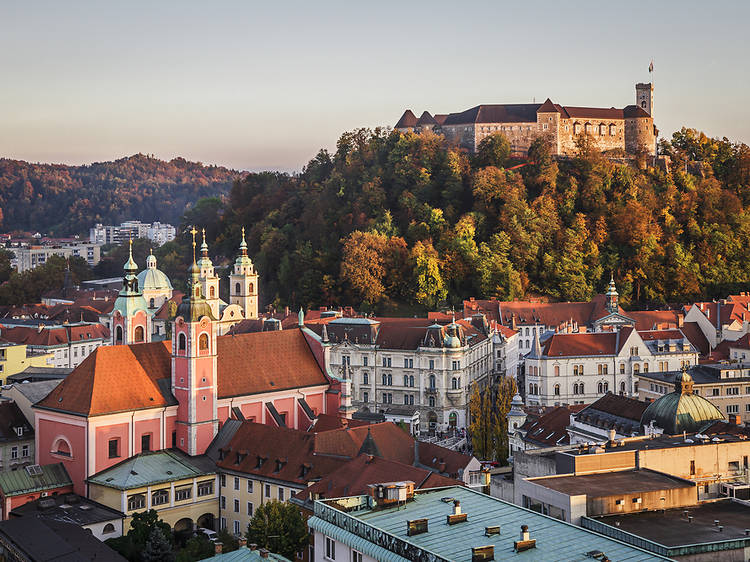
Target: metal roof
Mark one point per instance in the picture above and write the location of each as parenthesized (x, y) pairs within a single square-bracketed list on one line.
[(16, 482), (153, 468), (555, 539), (244, 554)]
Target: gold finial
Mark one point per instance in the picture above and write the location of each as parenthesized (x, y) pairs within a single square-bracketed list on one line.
[(193, 232), (203, 234)]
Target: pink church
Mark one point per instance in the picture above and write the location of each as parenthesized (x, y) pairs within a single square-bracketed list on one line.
[(125, 399)]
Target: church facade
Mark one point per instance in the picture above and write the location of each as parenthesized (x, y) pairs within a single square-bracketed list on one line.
[(629, 129), (141, 396)]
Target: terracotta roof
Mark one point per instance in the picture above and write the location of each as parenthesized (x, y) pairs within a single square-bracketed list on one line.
[(354, 477), (440, 118), (654, 319), (594, 112), (408, 119), (246, 364), (727, 311), (495, 113), (426, 119), (612, 411), (440, 459), (505, 331), (392, 442), (552, 314), (49, 336), (630, 111), (579, 345), (653, 335), (550, 428), (328, 422)]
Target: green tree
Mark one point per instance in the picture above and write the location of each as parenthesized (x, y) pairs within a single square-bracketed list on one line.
[(362, 265), (481, 425), (493, 150), (228, 540), (142, 526), (279, 527), (504, 392), (158, 548), (430, 288), (196, 548)]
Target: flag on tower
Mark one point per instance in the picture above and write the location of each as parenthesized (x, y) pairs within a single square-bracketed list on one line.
[(651, 67)]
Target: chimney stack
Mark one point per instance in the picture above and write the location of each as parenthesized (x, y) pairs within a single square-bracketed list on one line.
[(217, 547), (263, 553), (241, 542), (456, 507), (524, 532)]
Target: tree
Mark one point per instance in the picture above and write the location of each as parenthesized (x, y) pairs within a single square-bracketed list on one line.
[(196, 548), (279, 527), (228, 540), (142, 526), (481, 425), (158, 548), (362, 265), (504, 392), (430, 288), (493, 150)]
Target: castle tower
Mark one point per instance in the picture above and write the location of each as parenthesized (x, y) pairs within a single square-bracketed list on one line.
[(194, 367), (612, 296), (243, 283), (209, 279), (644, 97), (131, 322)]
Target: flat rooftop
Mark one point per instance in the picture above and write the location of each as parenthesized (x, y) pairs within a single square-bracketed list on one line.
[(671, 527), (555, 539), (609, 483), (664, 442)]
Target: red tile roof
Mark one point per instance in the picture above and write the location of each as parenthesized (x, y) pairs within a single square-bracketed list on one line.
[(392, 442), (354, 477), (552, 314), (328, 422), (550, 429), (246, 364), (43, 336), (579, 345), (654, 319)]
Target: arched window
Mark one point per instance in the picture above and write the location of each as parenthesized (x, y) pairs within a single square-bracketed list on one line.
[(531, 388), (643, 104), (606, 387), (580, 389), (432, 382), (613, 129), (622, 368), (575, 370), (536, 389), (527, 332), (385, 380), (432, 401), (160, 497), (557, 370), (411, 380), (454, 383), (406, 380), (622, 387), (411, 400), (118, 334), (250, 288), (557, 390), (151, 303), (576, 128), (406, 399), (365, 378), (137, 501), (182, 342), (390, 380), (203, 342), (636, 368), (212, 292), (108, 528), (600, 388), (138, 334), (237, 288), (62, 447), (602, 129), (575, 388)]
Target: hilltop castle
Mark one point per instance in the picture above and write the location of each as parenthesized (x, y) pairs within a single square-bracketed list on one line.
[(630, 129)]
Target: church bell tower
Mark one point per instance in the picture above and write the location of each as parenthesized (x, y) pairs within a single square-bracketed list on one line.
[(243, 283)]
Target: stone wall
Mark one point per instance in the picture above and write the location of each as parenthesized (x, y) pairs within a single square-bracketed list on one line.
[(605, 134), (639, 135)]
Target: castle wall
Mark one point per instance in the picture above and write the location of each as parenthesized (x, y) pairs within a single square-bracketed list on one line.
[(605, 134), (639, 133)]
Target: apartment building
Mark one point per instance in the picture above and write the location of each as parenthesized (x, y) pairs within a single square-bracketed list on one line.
[(28, 257)]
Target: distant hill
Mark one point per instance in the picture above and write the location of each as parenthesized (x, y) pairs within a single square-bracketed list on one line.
[(61, 200)]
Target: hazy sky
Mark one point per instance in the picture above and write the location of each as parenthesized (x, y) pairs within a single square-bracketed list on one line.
[(256, 85)]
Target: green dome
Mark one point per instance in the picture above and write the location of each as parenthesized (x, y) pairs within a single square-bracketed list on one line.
[(681, 410), (452, 338), (152, 279)]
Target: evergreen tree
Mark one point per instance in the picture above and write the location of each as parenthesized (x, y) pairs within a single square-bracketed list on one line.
[(279, 527), (158, 548)]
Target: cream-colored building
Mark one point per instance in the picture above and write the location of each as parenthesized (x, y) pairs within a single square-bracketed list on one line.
[(14, 358), (182, 489)]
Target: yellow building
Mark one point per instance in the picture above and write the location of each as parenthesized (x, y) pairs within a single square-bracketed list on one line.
[(182, 489), (15, 358)]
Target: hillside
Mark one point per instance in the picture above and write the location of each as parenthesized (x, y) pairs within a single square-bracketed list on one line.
[(61, 200), (392, 220)]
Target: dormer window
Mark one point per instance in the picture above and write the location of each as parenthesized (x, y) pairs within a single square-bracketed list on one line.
[(260, 462), (19, 431)]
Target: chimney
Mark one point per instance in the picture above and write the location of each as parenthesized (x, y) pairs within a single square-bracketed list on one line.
[(525, 543), (611, 435), (456, 507), (456, 516), (217, 547), (241, 542), (263, 553), (524, 532), (253, 546), (680, 320)]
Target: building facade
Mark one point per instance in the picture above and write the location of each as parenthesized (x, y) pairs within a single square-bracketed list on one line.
[(29, 257), (627, 130)]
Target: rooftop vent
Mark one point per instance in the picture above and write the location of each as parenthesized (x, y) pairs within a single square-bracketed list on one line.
[(479, 553), (416, 527), (525, 543), (45, 504), (456, 516), (490, 531)]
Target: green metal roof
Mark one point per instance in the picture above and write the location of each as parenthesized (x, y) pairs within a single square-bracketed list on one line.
[(245, 555), (147, 469), (555, 539), (16, 482)]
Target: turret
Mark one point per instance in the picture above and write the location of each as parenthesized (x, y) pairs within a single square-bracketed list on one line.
[(209, 279), (243, 283), (194, 367), (612, 297), (131, 322)]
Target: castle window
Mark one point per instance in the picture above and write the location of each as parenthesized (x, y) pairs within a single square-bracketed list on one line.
[(544, 126), (602, 130), (138, 334), (643, 104), (182, 342), (203, 342)]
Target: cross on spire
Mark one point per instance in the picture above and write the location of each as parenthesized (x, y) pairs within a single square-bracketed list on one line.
[(193, 232)]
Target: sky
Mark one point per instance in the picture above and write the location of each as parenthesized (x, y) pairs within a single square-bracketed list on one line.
[(265, 85)]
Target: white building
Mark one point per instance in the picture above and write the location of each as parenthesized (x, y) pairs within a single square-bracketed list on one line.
[(69, 344), (505, 343), (28, 257), (580, 368), (158, 233), (411, 365)]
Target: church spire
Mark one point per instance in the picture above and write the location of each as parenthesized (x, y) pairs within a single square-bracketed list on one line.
[(612, 296)]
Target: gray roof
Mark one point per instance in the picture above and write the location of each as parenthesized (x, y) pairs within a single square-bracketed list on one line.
[(222, 439), (555, 539), (16, 482), (244, 554), (48, 540), (156, 467), (35, 391), (69, 508)]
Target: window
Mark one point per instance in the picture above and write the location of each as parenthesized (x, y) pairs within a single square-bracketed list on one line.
[(250, 508), (182, 494), (406, 399), (645, 367), (633, 351), (622, 387), (385, 380), (406, 380), (365, 397), (138, 334), (557, 390), (714, 392), (281, 494), (14, 452), (205, 488), (390, 380), (454, 383), (236, 483), (432, 382), (411, 381), (692, 468), (557, 370), (223, 502), (223, 480), (249, 486), (236, 506), (145, 442), (364, 360), (365, 378), (160, 497), (268, 490), (182, 343), (203, 342), (108, 528), (456, 365), (137, 501), (733, 409), (118, 335), (174, 439), (330, 548), (733, 390), (636, 368), (431, 402), (432, 364), (25, 451), (356, 556), (575, 370), (114, 447)]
